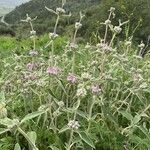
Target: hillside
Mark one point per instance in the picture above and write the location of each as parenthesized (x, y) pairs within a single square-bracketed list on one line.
[(95, 10), (8, 5)]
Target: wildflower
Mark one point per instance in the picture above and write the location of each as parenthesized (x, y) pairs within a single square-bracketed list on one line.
[(72, 46), (104, 47), (29, 77), (30, 66), (72, 78), (41, 83), (81, 92), (94, 62), (73, 124), (56, 113), (107, 22), (112, 9), (33, 32), (33, 53), (42, 108), (137, 77), (86, 75), (60, 10), (61, 104), (128, 43), (117, 29), (142, 45), (53, 70), (53, 36), (78, 25), (28, 19), (88, 46), (95, 89)]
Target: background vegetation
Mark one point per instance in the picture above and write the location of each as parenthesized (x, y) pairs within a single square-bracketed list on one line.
[(137, 11)]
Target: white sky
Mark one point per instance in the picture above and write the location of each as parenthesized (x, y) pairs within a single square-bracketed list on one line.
[(11, 3)]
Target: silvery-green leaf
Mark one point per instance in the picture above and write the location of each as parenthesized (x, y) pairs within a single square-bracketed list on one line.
[(52, 11), (32, 115), (17, 147), (86, 139), (32, 135)]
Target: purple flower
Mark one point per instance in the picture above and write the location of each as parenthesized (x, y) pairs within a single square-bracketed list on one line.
[(30, 66), (72, 78), (53, 70), (95, 89), (33, 53)]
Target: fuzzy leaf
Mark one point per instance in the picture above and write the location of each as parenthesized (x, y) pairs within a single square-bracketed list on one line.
[(2, 97), (17, 147), (32, 115), (53, 147), (86, 139), (3, 130), (8, 122), (52, 11), (136, 119), (32, 135), (65, 128), (82, 114), (126, 115)]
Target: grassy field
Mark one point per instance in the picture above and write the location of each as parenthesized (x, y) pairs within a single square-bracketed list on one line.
[(57, 94)]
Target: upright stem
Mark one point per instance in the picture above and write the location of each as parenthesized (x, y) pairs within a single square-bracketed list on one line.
[(114, 35), (90, 113), (106, 30), (73, 63), (32, 29), (70, 140), (72, 131), (56, 24)]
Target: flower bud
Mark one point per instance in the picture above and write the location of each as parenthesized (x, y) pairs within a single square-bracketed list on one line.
[(112, 9), (53, 36), (73, 124), (78, 25), (33, 32), (107, 22), (117, 29), (60, 10)]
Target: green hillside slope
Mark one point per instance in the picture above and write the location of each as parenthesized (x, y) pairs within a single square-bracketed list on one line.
[(96, 11)]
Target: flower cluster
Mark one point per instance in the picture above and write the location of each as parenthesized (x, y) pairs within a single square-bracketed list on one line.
[(53, 70), (72, 78), (73, 124)]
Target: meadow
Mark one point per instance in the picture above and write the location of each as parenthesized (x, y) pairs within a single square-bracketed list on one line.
[(57, 94)]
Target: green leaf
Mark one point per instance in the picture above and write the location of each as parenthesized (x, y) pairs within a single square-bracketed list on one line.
[(82, 114), (32, 135), (2, 97), (65, 128), (17, 147), (32, 115), (9, 122), (52, 94), (145, 131), (136, 119), (53, 147), (3, 130), (126, 115), (86, 139)]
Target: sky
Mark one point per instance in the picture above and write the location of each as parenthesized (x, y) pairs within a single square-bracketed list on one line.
[(11, 3), (8, 5)]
